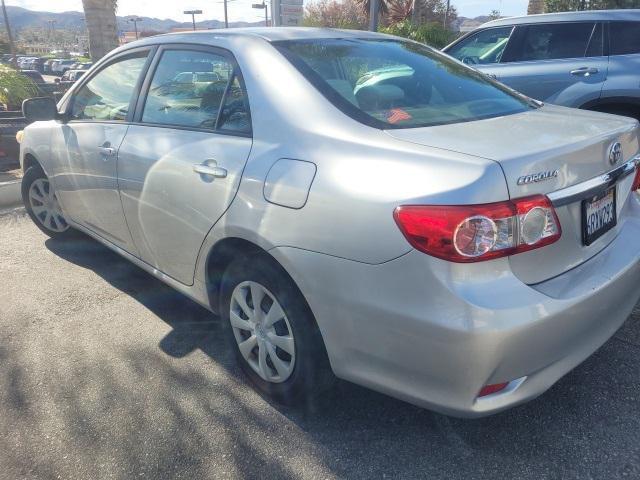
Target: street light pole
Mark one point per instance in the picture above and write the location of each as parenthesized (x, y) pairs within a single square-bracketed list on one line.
[(446, 14), (226, 18), (12, 48), (374, 6), (135, 21), (260, 6), (193, 14)]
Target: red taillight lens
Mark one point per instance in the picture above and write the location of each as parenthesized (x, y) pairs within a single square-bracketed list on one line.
[(636, 180), (489, 389), (473, 233)]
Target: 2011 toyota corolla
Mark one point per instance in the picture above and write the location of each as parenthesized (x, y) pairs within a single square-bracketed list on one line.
[(354, 203)]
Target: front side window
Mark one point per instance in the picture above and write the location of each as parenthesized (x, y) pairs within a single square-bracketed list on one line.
[(550, 41), (625, 38), (108, 94), (483, 47), (399, 84), (189, 89)]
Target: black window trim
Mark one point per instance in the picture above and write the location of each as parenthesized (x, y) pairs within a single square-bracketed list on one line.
[(84, 79), (521, 26), (146, 85)]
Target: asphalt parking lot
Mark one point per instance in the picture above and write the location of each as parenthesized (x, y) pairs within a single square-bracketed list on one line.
[(107, 373)]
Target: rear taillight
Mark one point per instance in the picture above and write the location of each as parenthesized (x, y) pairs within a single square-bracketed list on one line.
[(491, 389), (636, 180), (473, 233)]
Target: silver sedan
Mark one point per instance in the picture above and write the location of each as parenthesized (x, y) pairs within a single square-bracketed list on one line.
[(351, 204)]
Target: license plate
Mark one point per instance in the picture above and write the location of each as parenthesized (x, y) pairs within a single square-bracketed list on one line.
[(598, 215)]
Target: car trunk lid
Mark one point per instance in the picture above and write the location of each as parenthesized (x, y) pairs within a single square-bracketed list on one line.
[(547, 151)]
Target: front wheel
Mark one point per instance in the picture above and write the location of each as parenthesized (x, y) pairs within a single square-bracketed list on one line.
[(273, 332), (41, 202)]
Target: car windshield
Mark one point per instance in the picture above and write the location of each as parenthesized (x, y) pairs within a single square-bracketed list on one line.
[(399, 84)]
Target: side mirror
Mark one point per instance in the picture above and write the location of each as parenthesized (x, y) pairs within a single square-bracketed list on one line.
[(39, 108)]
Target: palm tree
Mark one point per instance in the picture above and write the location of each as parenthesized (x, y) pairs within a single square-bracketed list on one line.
[(535, 6), (383, 6), (100, 17)]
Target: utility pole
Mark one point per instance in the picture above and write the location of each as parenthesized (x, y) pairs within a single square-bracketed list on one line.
[(193, 14), (374, 7), (135, 21), (446, 15), (12, 48), (226, 17), (261, 6)]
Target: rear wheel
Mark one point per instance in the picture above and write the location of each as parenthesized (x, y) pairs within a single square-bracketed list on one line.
[(41, 202), (273, 332)]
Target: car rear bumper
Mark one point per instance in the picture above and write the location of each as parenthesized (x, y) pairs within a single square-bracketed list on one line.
[(433, 333)]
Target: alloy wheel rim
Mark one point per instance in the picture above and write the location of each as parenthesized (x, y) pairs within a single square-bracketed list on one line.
[(45, 206), (262, 331)]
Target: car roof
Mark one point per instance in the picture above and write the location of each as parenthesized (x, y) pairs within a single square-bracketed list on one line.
[(585, 15), (271, 34)]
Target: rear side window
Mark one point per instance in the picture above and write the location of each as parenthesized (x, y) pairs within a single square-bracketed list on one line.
[(625, 38), (550, 41), (234, 116), (108, 94), (483, 47), (190, 88)]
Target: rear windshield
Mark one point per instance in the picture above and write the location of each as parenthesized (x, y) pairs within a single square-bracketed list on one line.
[(397, 84)]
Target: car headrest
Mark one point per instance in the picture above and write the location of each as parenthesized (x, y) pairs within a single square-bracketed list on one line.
[(378, 96)]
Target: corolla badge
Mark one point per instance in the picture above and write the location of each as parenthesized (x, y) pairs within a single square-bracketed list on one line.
[(537, 177), (615, 153)]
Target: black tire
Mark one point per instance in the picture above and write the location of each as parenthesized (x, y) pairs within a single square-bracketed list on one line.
[(312, 373), (33, 174)]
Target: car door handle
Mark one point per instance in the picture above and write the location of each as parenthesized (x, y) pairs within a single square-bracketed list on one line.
[(107, 151), (210, 168), (584, 71)]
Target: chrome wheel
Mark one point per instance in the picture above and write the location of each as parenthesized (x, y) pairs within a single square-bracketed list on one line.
[(262, 332), (45, 206)]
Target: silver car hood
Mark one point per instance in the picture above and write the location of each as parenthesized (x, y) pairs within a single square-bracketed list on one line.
[(574, 142)]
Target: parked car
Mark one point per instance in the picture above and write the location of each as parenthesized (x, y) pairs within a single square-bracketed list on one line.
[(48, 66), (586, 59), (81, 66), (68, 79), (435, 236), (33, 75), (61, 66)]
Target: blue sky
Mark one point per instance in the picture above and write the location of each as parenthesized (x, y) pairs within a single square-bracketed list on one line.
[(241, 9)]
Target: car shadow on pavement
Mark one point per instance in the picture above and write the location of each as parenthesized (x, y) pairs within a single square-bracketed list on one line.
[(193, 327), (585, 426)]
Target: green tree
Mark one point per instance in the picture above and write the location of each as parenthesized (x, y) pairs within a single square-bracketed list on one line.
[(335, 14), (433, 34), (494, 15), (573, 5), (535, 7)]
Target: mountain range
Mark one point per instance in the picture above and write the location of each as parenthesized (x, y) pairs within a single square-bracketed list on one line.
[(21, 18)]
